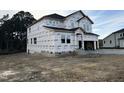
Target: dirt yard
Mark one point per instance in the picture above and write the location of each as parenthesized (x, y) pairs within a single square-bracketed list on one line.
[(29, 68)]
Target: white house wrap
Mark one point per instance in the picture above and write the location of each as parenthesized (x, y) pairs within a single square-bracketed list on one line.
[(56, 34)]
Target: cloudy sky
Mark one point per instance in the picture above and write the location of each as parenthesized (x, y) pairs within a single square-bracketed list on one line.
[(105, 22)]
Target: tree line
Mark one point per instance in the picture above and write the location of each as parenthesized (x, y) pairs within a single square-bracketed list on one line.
[(13, 31)]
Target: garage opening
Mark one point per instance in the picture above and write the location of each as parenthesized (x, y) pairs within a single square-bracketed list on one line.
[(89, 45)]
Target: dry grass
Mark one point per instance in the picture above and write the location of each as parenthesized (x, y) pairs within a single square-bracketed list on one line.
[(22, 67)]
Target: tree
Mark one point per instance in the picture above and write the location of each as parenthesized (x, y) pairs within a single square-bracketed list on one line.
[(14, 31), (21, 21), (2, 34)]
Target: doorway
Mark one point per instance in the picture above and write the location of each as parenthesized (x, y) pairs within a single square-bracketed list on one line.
[(80, 44)]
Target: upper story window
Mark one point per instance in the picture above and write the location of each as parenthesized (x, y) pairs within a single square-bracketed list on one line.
[(35, 40), (68, 39), (84, 26), (62, 38), (72, 24), (54, 22), (50, 21), (120, 35), (88, 29), (29, 30)]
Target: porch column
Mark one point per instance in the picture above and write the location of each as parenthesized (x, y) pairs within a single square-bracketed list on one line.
[(94, 45), (75, 41), (83, 45)]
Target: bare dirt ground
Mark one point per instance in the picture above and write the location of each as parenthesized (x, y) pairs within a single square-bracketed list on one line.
[(29, 68)]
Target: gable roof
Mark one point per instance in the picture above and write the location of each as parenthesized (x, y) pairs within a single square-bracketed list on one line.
[(75, 13), (119, 31), (87, 18), (55, 16), (60, 17)]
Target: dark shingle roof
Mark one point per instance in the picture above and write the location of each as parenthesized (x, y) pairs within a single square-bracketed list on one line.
[(56, 16), (56, 28), (91, 33), (119, 31), (60, 17), (76, 12), (87, 18), (73, 29)]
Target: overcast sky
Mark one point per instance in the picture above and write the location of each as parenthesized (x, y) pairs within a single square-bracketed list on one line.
[(105, 22)]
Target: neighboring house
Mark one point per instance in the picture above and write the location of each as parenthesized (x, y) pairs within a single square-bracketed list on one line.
[(57, 34), (100, 43), (114, 40)]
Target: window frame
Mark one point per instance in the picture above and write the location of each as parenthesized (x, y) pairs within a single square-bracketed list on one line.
[(35, 40), (110, 41), (31, 40), (63, 39), (68, 40)]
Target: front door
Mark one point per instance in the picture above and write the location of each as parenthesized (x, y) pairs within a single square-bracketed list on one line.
[(80, 44)]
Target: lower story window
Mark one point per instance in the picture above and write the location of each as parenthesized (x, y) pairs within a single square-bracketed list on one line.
[(63, 40), (68, 41), (35, 40)]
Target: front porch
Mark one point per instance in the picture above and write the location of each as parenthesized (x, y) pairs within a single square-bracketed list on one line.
[(87, 45), (86, 40)]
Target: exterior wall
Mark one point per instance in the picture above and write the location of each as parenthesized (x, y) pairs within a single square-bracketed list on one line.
[(121, 44), (71, 21), (54, 23), (117, 36), (90, 38), (45, 41), (115, 40), (106, 41), (64, 47), (85, 24), (49, 40)]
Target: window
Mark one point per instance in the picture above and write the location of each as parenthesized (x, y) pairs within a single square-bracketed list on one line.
[(84, 27), (72, 24), (31, 40), (104, 42), (68, 39), (120, 35), (62, 38), (35, 40), (88, 28), (110, 41), (29, 30)]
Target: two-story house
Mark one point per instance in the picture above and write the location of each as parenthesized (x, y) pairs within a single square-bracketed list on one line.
[(60, 34), (114, 40)]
